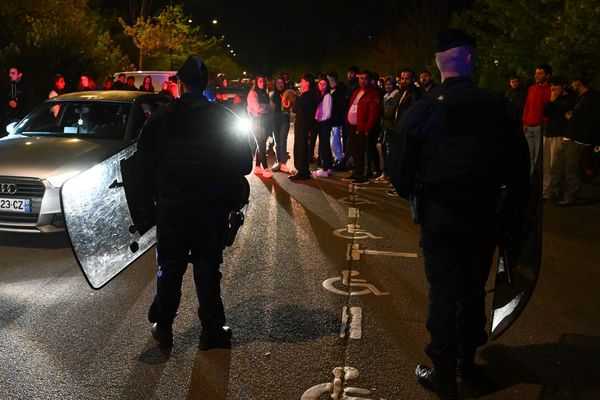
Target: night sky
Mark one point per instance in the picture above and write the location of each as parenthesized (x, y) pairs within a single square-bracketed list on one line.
[(269, 33)]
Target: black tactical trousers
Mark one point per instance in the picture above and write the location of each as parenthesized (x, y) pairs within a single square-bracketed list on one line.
[(189, 232), (458, 247)]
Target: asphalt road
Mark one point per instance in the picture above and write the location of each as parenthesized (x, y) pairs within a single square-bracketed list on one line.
[(295, 326)]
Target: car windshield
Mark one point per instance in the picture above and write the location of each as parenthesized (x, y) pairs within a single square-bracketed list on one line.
[(105, 120)]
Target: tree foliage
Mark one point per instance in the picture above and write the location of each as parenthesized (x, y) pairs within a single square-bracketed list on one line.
[(516, 36), (166, 40), (46, 37)]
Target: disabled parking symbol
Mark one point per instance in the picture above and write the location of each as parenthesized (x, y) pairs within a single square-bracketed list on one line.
[(347, 279)]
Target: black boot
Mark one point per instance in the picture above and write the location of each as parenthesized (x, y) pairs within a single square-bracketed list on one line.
[(219, 338), (162, 334), (440, 379)]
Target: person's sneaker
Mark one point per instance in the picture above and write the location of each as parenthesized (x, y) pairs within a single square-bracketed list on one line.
[(276, 167), (267, 173), (164, 336), (391, 192), (283, 168), (381, 179), (321, 173), (258, 170), (219, 338)]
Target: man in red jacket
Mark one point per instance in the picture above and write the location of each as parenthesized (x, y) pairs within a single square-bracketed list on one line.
[(538, 96), (363, 119)]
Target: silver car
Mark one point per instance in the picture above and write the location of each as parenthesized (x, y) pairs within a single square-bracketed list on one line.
[(58, 139)]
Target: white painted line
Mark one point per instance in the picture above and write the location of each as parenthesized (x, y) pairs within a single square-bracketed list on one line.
[(355, 322), (344, 326), (390, 253), (353, 252), (353, 212)]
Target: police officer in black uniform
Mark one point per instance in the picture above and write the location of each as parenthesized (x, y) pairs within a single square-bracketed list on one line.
[(195, 155), (456, 147)]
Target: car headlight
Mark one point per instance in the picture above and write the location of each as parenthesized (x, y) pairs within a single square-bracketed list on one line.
[(57, 180), (244, 124)]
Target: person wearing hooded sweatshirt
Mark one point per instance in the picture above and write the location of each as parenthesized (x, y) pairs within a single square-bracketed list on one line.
[(193, 157), (391, 99)]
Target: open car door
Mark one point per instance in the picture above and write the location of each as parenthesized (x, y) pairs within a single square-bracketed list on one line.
[(99, 206), (520, 256)]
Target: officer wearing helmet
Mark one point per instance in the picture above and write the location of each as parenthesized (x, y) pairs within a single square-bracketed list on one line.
[(193, 157)]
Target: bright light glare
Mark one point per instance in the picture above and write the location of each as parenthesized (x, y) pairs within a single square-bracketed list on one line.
[(244, 125), (214, 21), (58, 180)]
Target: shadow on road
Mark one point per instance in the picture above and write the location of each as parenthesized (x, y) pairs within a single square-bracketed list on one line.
[(565, 370), (210, 375), (290, 323), (34, 240)]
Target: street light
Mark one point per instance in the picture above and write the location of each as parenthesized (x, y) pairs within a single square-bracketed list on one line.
[(214, 21)]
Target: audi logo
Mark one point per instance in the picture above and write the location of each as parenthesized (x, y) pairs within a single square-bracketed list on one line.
[(8, 188)]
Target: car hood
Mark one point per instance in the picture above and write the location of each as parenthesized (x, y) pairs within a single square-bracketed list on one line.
[(43, 157)]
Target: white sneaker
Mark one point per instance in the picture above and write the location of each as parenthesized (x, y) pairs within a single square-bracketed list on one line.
[(267, 173), (276, 167), (320, 173), (258, 170), (283, 168)]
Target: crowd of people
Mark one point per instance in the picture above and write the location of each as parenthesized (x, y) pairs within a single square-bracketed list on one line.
[(353, 122)]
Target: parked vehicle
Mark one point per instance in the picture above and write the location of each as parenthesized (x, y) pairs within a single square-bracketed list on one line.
[(58, 139)]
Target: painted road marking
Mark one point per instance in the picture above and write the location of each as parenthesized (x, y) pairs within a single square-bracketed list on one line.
[(353, 212), (353, 231), (355, 322), (335, 388), (348, 280), (355, 199), (353, 252)]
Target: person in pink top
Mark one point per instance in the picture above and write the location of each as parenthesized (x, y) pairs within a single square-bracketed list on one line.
[(538, 96)]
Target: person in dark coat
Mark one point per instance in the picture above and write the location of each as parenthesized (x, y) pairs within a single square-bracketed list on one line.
[(454, 150), (179, 150), (304, 108), (19, 100)]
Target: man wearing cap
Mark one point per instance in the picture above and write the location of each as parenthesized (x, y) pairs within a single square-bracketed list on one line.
[(179, 151), (452, 152)]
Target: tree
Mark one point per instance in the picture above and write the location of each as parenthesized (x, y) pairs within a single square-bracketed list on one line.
[(166, 40), (45, 37), (516, 36), (146, 36)]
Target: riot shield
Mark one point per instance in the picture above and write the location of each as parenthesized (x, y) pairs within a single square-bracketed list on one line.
[(97, 206), (519, 256)]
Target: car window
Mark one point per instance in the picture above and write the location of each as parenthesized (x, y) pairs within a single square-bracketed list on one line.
[(142, 111), (80, 119)]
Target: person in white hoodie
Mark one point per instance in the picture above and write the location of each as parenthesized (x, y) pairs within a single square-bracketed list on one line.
[(391, 99), (323, 128)]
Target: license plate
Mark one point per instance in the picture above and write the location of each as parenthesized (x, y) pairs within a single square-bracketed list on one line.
[(15, 205)]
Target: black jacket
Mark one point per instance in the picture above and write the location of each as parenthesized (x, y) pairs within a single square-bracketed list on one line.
[(194, 148), (584, 124), (456, 146), (555, 112)]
